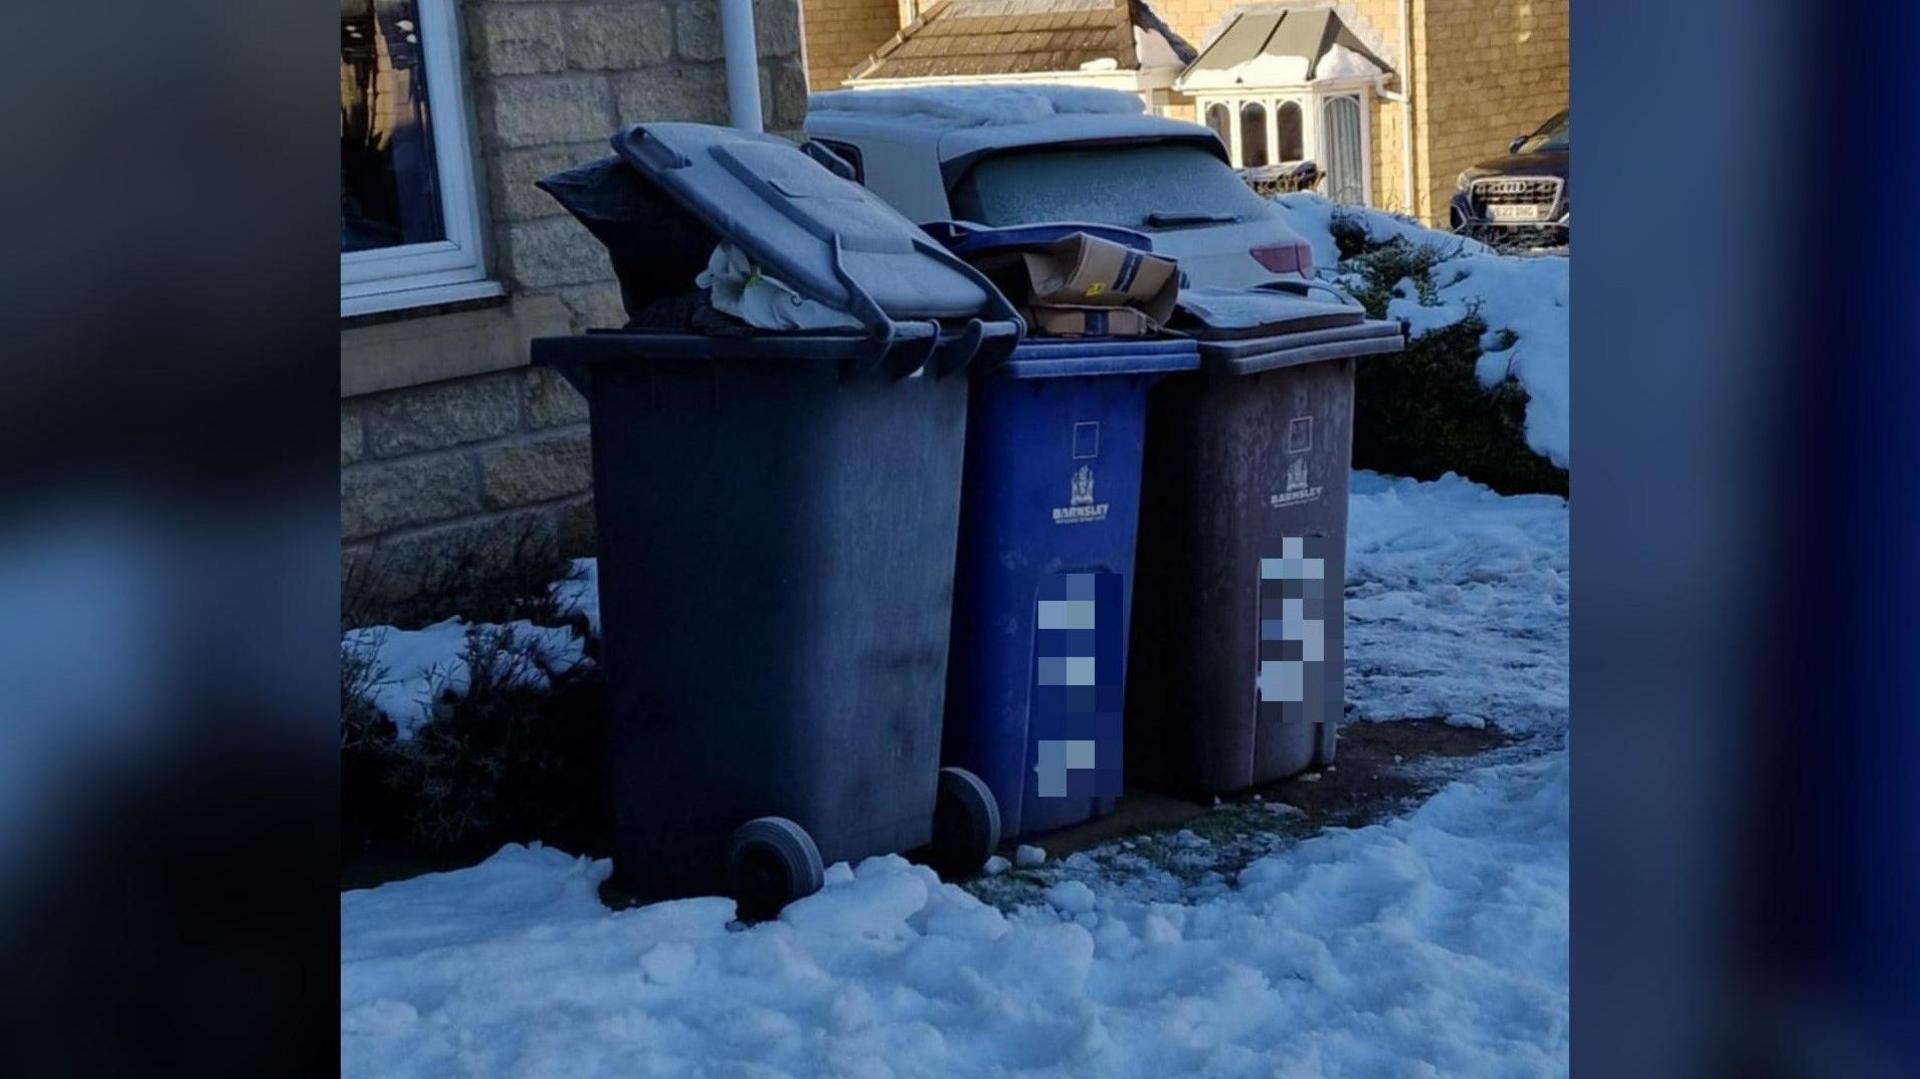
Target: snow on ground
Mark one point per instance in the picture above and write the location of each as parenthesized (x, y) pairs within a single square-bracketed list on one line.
[(414, 668), (1427, 946), (1525, 296), (1457, 603), (1431, 945)]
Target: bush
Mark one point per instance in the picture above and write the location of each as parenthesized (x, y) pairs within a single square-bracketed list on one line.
[(502, 763), (1424, 412)]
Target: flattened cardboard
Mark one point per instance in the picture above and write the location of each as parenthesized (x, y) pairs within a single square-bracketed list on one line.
[(1081, 271), (1084, 286)]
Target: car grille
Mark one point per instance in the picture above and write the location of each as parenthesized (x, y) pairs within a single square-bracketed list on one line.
[(1515, 191)]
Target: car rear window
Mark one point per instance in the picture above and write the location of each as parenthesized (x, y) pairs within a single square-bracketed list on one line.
[(1109, 185)]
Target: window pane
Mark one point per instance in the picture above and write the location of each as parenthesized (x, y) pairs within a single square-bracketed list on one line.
[(1292, 142), (1221, 121), (1346, 158), (1253, 135), (389, 188)]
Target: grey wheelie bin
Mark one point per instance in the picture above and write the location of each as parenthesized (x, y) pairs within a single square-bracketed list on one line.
[(777, 515), (1235, 670)]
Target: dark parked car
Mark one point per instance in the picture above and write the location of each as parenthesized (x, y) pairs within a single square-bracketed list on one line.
[(1521, 198)]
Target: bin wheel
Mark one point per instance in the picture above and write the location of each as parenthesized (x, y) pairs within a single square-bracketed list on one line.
[(771, 862), (966, 824)]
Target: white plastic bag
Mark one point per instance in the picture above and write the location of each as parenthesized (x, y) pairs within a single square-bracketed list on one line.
[(741, 289)]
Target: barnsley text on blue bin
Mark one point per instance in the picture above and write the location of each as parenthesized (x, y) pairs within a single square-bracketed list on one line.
[(1079, 653)]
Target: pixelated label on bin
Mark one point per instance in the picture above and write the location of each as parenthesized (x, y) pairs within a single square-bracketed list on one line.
[(1074, 719), (1293, 641), (1299, 481), (1080, 507)]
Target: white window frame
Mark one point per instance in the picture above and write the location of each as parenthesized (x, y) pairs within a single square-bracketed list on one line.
[(1311, 100), (443, 271)]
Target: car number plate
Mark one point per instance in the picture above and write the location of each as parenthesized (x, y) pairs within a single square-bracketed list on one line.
[(1516, 212)]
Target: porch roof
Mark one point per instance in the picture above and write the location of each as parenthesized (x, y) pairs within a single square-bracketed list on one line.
[(960, 38), (1271, 46)]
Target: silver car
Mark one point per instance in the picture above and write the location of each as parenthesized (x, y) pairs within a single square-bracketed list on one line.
[(1163, 177)]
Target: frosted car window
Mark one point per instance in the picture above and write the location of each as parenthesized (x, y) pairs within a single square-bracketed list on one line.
[(1111, 185)]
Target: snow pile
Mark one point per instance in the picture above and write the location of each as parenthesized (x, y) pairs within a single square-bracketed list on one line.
[(1311, 216), (579, 593), (413, 669), (1523, 300), (978, 106), (1457, 604), (1527, 298), (1432, 945)]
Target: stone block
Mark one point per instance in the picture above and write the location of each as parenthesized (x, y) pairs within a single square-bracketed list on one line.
[(380, 497), (541, 470), (693, 92), (618, 36), (514, 40), (696, 30), (551, 252), (353, 437), (542, 110), (552, 401), (783, 94), (511, 174), (776, 26), (441, 414)]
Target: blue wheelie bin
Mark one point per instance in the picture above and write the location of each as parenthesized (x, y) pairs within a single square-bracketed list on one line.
[(1049, 507), (777, 515)]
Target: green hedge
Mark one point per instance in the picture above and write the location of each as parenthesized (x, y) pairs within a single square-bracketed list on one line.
[(1423, 412)]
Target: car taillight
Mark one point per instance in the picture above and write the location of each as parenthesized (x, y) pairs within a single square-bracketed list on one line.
[(1284, 258)]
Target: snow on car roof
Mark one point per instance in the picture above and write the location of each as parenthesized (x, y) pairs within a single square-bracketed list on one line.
[(964, 122), (978, 106)]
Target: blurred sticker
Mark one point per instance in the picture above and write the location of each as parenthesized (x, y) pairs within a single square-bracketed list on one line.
[(1293, 631), (1075, 716)]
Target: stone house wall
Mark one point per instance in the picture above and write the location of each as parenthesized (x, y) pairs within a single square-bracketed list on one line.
[(1495, 69), (450, 445)]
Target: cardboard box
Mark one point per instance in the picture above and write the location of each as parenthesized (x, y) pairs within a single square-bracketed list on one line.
[(1062, 286)]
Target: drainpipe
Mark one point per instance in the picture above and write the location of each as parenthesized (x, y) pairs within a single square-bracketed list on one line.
[(1406, 107), (743, 63)]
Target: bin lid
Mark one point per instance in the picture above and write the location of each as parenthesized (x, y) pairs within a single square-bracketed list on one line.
[(832, 240), (1214, 313), (1252, 355), (1069, 357)]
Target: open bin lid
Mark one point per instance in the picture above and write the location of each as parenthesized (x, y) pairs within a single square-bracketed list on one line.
[(832, 240)]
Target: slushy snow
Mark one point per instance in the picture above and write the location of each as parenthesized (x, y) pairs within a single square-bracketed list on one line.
[(1523, 300), (1430, 945), (1427, 946), (1457, 603)]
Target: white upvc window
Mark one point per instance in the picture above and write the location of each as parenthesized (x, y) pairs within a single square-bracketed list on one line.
[(411, 230), (1327, 123)]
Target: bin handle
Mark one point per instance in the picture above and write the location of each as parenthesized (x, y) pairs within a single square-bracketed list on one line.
[(1301, 288)]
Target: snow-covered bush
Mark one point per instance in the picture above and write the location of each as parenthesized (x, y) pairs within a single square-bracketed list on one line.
[(1482, 389), (458, 736)]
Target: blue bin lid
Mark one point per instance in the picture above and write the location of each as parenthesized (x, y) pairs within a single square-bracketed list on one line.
[(1068, 357)]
